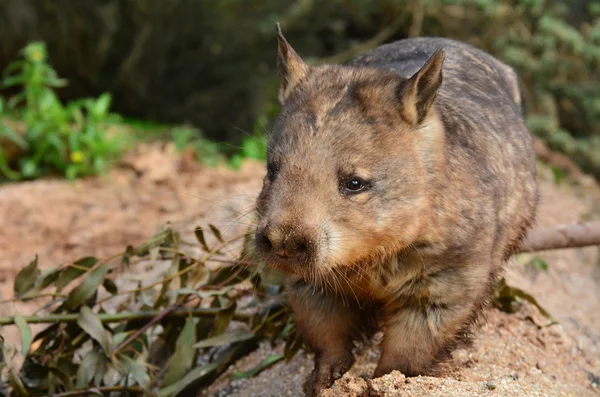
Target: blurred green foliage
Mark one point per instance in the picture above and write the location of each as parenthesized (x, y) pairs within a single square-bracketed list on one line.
[(212, 64), (55, 138)]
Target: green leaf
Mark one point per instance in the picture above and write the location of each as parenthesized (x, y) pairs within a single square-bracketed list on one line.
[(182, 359), (200, 237), (101, 105), (539, 263), (216, 232), (93, 366), (86, 288), (17, 139), (92, 325), (193, 376), (17, 384), (137, 369), (292, 345), (224, 339), (74, 270), (25, 279), (62, 377), (266, 363), (222, 319), (25, 333)]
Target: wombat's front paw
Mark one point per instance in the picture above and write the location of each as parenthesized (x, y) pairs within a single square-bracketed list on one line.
[(325, 374)]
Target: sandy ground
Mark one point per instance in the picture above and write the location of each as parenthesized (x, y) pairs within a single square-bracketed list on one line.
[(512, 355)]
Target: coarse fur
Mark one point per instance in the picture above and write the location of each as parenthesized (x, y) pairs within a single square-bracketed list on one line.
[(396, 188)]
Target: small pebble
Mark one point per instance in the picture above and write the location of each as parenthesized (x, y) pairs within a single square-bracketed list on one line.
[(490, 385)]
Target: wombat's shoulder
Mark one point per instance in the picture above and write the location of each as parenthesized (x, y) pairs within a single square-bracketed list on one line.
[(464, 64)]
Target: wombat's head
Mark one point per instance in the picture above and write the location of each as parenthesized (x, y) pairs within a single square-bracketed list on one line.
[(347, 164)]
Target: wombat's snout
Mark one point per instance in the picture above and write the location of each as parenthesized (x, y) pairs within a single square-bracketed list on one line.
[(286, 243)]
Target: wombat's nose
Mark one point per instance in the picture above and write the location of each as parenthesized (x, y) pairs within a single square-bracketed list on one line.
[(282, 243)]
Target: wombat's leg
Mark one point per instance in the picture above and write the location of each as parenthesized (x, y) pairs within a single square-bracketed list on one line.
[(418, 330), (326, 324)]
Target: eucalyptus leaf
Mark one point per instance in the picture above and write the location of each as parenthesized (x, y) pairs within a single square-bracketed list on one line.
[(25, 279), (195, 375), (73, 271), (224, 339), (25, 331), (266, 363), (222, 319), (92, 368), (17, 383), (110, 286), (201, 239), (62, 377), (137, 369), (87, 287), (182, 359), (92, 325), (216, 232)]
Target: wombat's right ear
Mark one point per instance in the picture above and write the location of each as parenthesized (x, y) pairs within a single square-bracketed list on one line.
[(290, 66)]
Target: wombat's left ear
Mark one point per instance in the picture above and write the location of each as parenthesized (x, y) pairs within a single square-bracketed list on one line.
[(290, 66), (419, 92)]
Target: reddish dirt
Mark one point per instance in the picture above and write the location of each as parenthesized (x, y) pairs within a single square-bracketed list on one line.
[(512, 355)]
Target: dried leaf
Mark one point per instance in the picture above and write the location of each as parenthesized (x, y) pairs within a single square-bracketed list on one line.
[(92, 325), (25, 333), (200, 237), (86, 288), (92, 367), (25, 279), (216, 232), (73, 271), (266, 363), (181, 361), (224, 339), (195, 375)]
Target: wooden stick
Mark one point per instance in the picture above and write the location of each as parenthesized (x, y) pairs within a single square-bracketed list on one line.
[(562, 236)]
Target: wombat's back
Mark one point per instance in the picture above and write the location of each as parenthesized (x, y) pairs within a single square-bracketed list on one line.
[(463, 65)]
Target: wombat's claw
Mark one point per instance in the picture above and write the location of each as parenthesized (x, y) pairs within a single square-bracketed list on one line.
[(323, 376)]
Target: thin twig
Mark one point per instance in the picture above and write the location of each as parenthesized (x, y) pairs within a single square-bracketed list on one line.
[(150, 323), (96, 390), (234, 262), (124, 316), (179, 273)]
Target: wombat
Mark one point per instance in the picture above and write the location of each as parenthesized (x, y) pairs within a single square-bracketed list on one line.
[(396, 188)]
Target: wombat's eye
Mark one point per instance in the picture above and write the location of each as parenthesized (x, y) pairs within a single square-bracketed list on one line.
[(272, 171), (355, 185)]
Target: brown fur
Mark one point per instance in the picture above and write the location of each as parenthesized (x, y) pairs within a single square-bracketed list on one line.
[(437, 139)]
